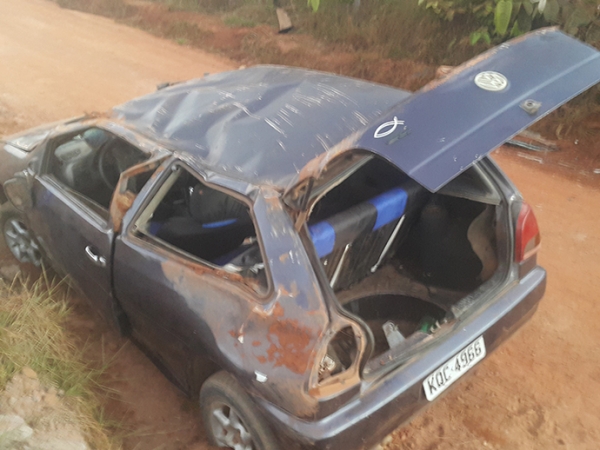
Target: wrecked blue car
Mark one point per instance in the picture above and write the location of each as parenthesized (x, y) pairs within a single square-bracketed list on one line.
[(314, 257)]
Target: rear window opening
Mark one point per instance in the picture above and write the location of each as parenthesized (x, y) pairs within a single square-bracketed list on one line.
[(399, 257)]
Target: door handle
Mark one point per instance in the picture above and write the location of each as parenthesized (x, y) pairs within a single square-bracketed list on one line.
[(96, 259)]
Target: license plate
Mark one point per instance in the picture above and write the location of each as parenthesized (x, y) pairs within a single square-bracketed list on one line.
[(454, 368)]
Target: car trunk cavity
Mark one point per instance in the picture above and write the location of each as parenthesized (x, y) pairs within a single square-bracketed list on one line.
[(401, 260)]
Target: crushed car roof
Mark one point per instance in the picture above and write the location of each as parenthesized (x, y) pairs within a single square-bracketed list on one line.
[(261, 124), (266, 124)]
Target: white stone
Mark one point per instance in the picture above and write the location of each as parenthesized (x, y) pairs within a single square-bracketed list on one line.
[(57, 444), (13, 429), (9, 272)]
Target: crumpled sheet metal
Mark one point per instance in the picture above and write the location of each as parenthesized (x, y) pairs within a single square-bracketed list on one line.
[(261, 124)]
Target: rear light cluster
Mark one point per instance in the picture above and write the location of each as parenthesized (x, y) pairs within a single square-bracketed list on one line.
[(337, 365), (341, 353), (527, 235)]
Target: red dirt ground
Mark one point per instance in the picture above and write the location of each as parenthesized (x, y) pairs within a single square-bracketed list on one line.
[(539, 391)]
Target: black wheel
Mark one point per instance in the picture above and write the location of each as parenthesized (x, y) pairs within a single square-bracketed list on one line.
[(17, 236), (230, 417)]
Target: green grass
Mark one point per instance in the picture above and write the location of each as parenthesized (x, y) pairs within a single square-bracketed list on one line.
[(380, 29), (250, 14), (32, 334), (117, 9), (184, 33), (233, 21)]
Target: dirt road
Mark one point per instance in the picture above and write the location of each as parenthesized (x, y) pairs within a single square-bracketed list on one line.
[(56, 63), (539, 391)]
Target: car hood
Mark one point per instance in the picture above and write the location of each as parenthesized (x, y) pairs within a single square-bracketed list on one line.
[(29, 139), (451, 123)]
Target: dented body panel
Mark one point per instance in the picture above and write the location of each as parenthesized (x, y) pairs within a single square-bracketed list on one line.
[(384, 404), (215, 316), (262, 124)]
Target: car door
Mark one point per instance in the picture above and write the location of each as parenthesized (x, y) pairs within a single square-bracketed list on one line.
[(175, 299), (70, 215), (77, 239)]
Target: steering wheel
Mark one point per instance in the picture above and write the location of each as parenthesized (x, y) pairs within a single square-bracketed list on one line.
[(108, 166)]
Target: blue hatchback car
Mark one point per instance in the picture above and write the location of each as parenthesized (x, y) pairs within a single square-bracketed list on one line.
[(315, 258)]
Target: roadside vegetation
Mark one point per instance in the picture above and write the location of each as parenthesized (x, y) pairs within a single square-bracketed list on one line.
[(395, 42), (33, 337), (399, 27)]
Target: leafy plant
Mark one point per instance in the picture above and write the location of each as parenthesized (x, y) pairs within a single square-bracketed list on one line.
[(314, 4), (499, 20)]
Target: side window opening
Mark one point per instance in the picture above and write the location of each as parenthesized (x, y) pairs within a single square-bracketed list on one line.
[(91, 162), (205, 223)]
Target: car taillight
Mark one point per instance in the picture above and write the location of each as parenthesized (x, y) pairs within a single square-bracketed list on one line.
[(341, 353), (527, 236), (337, 366)]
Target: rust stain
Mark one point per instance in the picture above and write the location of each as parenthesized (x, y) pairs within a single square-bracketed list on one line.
[(122, 198), (263, 311), (289, 345), (200, 269), (284, 257), (157, 172), (278, 310), (272, 201), (292, 292), (120, 204), (315, 166), (288, 340), (142, 168), (283, 291)]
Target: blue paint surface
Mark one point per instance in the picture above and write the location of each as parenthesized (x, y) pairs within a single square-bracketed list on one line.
[(219, 224), (323, 237), (452, 123), (390, 206)]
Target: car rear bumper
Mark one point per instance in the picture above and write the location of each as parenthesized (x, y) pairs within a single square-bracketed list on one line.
[(394, 399)]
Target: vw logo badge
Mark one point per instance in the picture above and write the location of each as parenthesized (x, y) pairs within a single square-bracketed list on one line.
[(491, 81)]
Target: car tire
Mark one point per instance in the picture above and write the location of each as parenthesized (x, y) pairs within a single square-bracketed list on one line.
[(230, 417), (17, 236)]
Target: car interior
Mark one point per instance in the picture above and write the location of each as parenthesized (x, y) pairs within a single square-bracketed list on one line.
[(91, 162), (206, 223), (398, 256)]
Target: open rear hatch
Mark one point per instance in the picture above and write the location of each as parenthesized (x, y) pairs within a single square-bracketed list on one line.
[(411, 222), (449, 124)]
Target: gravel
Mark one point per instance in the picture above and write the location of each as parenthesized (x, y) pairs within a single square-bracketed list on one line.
[(35, 417)]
